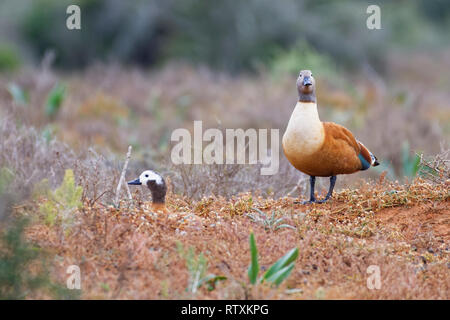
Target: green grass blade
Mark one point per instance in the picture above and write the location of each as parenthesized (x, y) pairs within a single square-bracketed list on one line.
[(416, 165), (285, 226), (281, 263), (253, 269), (18, 94), (279, 276), (273, 216), (211, 281), (260, 212), (279, 220), (54, 100)]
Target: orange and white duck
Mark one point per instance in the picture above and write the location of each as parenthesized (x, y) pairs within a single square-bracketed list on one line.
[(321, 149), (155, 182)]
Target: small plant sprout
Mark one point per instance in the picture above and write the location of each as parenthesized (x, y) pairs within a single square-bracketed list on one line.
[(277, 273), (268, 222), (62, 202)]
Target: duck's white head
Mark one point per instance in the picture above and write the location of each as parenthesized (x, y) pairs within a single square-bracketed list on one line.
[(147, 176), (155, 182)]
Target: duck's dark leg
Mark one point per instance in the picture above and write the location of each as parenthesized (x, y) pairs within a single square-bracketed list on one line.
[(312, 199), (330, 191), (312, 183)]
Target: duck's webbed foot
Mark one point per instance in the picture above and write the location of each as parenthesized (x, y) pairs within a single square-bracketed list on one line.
[(310, 201), (323, 200), (314, 200)]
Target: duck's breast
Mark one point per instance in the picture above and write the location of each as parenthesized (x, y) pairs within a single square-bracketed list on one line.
[(304, 133), (338, 154)]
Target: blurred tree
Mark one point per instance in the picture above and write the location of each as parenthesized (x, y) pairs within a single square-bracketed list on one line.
[(123, 31), (437, 11), (234, 35), (228, 34), (9, 58)]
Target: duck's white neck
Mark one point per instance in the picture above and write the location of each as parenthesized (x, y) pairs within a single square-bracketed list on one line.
[(304, 133)]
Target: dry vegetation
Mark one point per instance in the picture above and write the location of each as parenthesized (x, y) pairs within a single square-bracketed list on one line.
[(108, 108), (131, 253)]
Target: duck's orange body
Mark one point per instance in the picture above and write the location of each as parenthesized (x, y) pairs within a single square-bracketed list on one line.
[(338, 154), (317, 148)]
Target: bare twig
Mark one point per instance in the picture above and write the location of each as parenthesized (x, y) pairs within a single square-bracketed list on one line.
[(122, 177)]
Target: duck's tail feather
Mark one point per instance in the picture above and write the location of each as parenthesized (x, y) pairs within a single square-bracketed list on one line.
[(366, 157)]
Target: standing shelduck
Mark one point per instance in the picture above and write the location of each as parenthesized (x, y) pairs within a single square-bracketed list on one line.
[(155, 182), (321, 149)]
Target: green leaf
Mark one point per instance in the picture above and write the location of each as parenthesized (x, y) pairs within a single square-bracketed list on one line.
[(68, 193), (410, 163), (211, 280), (50, 212), (273, 216), (63, 201), (18, 94), (416, 165), (54, 100), (279, 276), (279, 220), (260, 212), (285, 226), (253, 269), (287, 259)]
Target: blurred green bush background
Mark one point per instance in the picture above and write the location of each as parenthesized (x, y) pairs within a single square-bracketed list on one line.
[(225, 34)]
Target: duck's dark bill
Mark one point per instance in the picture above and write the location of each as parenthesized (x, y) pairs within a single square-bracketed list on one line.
[(135, 182)]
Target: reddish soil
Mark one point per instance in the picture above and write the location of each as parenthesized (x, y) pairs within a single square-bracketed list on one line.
[(418, 220)]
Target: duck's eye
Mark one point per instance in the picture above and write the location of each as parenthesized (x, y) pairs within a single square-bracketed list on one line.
[(146, 175)]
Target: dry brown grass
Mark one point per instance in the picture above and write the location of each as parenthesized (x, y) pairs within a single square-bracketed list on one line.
[(436, 169), (109, 108), (131, 253), (30, 157)]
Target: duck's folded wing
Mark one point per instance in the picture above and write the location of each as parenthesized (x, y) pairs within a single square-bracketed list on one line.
[(338, 132), (345, 140)]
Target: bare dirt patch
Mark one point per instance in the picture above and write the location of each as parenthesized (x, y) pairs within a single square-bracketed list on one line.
[(418, 220)]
